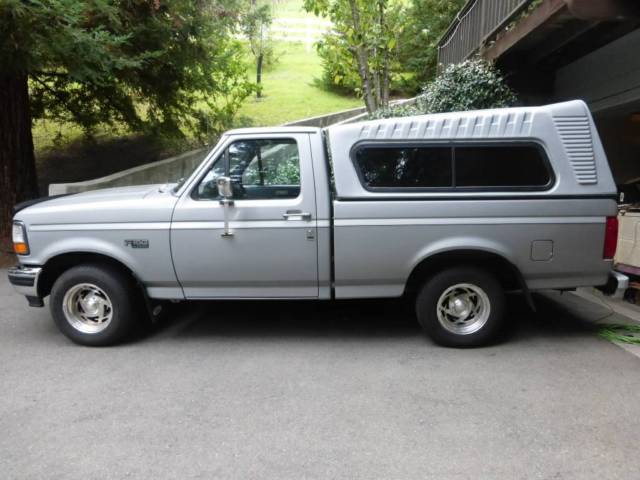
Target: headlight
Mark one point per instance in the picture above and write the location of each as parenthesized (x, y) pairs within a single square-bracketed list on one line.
[(20, 242)]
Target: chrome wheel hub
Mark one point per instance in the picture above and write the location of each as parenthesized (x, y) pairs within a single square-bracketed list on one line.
[(463, 309), (87, 308)]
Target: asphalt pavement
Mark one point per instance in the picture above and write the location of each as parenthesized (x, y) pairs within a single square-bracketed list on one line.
[(351, 390)]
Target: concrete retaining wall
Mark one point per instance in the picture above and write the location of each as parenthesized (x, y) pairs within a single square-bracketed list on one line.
[(345, 116), (163, 171), (330, 119)]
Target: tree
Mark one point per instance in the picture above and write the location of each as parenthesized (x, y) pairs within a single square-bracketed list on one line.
[(339, 68), (414, 27), (369, 33), (162, 66), (255, 24), (426, 22)]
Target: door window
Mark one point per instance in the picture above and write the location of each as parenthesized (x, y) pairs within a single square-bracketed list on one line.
[(258, 168)]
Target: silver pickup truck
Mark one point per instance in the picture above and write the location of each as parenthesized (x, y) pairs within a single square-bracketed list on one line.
[(449, 211)]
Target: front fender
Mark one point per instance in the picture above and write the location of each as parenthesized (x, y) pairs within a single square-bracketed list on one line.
[(85, 245), (151, 264)]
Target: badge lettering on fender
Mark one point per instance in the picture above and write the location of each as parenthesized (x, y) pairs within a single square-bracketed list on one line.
[(136, 243)]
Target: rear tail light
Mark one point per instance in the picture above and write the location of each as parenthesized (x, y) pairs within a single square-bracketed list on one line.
[(610, 238)]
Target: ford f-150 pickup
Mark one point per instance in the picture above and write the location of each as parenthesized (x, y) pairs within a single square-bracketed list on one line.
[(449, 211)]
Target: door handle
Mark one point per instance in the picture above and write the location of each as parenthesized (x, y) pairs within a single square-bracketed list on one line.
[(296, 215)]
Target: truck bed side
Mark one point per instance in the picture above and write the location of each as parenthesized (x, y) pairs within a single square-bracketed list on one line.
[(553, 238)]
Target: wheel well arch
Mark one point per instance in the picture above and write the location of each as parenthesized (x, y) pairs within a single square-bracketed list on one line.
[(57, 265), (506, 272)]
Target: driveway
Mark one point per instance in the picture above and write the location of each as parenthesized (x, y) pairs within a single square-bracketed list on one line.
[(317, 391)]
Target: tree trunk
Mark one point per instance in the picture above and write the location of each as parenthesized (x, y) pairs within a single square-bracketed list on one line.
[(386, 81), (17, 162), (384, 87), (259, 74), (377, 85), (363, 70), (362, 59)]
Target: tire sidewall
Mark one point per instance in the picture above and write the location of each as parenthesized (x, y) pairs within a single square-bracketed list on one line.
[(115, 284), (427, 301)]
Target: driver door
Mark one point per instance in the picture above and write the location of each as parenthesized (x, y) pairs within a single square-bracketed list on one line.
[(272, 250)]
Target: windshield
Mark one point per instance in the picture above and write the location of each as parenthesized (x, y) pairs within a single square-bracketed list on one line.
[(184, 166)]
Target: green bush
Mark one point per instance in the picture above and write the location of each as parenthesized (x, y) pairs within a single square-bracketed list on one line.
[(470, 85), (397, 111)]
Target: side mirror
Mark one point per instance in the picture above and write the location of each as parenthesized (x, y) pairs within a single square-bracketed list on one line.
[(224, 187)]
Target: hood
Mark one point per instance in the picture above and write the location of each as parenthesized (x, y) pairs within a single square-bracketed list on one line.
[(27, 203), (147, 203)]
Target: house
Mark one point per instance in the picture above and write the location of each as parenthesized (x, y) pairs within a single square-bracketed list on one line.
[(555, 50)]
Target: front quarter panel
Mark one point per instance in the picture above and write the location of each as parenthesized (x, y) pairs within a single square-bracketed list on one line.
[(132, 230)]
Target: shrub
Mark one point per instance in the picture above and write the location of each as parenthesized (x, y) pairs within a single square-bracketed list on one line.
[(470, 85), (397, 111)]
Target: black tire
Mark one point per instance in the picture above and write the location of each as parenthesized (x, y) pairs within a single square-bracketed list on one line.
[(481, 331), (119, 290)]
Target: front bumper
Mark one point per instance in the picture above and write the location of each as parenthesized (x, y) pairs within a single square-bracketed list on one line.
[(616, 285), (25, 281)]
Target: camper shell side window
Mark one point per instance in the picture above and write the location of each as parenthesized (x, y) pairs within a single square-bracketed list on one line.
[(460, 167)]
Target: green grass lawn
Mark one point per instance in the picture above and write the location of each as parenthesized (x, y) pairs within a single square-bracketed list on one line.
[(290, 90), (290, 9)]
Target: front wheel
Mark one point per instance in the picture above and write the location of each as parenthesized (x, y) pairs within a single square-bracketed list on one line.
[(92, 305), (461, 307)]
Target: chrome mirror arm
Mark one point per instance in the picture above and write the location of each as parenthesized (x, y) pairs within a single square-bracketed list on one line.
[(226, 192)]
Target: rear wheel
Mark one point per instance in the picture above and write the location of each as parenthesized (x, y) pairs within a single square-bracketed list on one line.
[(461, 307), (92, 304)]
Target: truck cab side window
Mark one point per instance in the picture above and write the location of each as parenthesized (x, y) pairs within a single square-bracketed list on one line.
[(259, 169)]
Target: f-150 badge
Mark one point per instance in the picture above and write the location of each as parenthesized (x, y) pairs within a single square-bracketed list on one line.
[(136, 243)]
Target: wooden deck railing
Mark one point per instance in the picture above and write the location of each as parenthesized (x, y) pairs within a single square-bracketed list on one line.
[(477, 22)]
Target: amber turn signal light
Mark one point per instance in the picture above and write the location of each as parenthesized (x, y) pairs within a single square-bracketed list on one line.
[(21, 248), (20, 242)]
